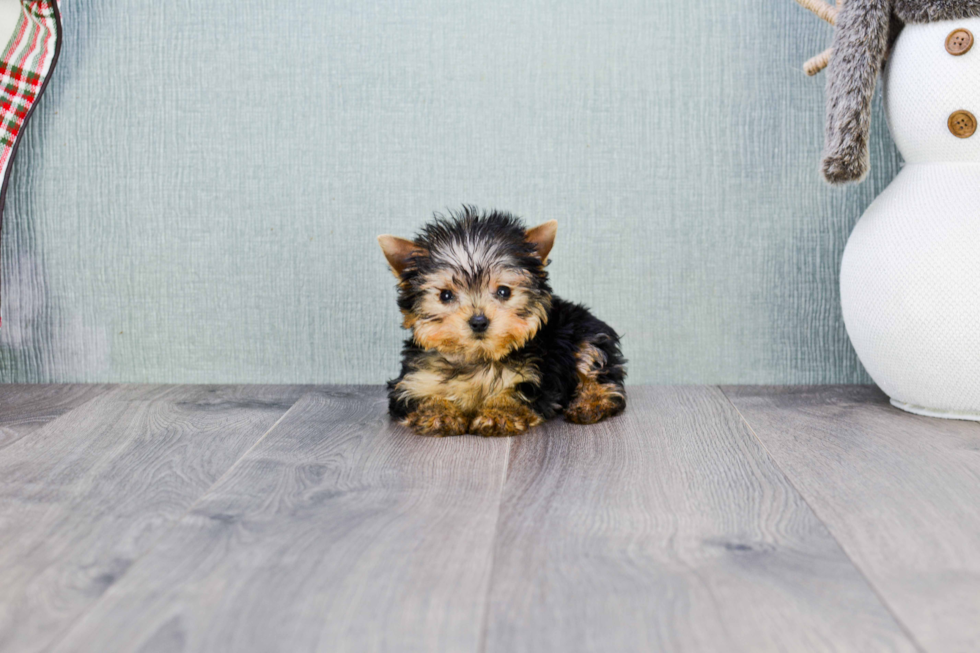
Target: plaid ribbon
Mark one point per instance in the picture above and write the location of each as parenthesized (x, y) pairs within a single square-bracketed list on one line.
[(24, 67)]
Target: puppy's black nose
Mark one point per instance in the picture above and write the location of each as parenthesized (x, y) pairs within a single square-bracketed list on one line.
[(479, 323)]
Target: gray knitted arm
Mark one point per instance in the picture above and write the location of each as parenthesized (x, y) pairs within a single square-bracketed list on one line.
[(860, 43)]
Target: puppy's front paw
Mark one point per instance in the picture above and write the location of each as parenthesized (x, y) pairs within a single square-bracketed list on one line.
[(505, 420), (437, 418)]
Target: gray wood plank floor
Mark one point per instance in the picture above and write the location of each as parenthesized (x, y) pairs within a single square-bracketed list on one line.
[(26, 408), (336, 533), (670, 529), (255, 518), (83, 496), (901, 493)]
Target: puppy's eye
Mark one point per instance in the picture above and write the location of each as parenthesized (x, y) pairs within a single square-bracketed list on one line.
[(503, 293), (446, 296)]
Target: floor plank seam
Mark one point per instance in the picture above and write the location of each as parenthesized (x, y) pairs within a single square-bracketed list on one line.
[(482, 647), (109, 390), (901, 624), (66, 631)]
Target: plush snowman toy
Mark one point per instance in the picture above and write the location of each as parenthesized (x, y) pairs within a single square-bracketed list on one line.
[(910, 275)]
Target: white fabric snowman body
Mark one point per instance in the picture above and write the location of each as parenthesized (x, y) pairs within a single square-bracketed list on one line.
[(910, 275)]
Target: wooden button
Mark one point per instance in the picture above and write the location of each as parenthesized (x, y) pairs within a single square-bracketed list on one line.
[(962, 124), (959, 42)]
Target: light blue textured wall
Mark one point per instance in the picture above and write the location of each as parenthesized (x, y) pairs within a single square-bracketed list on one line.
[(198, 195)]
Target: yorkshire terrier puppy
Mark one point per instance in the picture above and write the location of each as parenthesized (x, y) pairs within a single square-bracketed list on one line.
[(492, 351)]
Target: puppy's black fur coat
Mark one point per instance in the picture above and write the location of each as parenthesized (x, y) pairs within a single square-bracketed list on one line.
[(553, 351)]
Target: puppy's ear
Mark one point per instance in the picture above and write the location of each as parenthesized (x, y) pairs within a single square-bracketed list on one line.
[(543, 237), (399, 252)]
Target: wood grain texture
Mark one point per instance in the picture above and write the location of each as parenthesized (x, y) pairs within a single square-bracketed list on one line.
[(669, 529), (901, 493), (25, 408), (83, 496), (338, 532)]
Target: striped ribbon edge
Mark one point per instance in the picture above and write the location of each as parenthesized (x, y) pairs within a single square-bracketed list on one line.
[(24, 66)]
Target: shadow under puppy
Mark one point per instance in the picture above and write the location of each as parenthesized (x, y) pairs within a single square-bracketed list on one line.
[(492, 351)]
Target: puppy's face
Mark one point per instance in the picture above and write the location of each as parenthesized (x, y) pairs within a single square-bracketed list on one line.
[(482, 315), (473, 287)]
